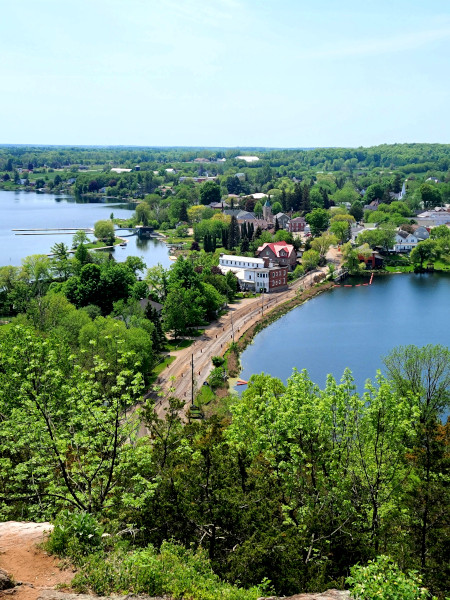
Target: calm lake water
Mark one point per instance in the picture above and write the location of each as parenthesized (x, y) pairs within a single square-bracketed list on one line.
[(353, 327), (28, 210)]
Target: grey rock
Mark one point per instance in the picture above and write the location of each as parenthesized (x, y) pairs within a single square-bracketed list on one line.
[(6, 583)]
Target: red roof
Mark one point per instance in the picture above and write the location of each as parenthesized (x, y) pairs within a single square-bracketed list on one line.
[(276, 248)]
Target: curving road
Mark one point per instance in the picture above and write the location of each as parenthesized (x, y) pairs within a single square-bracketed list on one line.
[(215, 340)]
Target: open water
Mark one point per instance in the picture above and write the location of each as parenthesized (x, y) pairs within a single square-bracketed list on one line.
[(353, 327), (30, 210)]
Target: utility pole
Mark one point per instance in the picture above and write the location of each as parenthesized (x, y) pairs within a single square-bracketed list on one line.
[(262, 303), (192, 379), (232, 328)]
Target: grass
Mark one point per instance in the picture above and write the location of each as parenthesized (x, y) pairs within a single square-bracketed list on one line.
[(174, 345), (205, 396), (160, 368)]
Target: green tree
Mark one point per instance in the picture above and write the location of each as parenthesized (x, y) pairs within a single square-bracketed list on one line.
[(209, 192), (310, 259), (62, 430), (80, 237), (318, 220), (258, 210), (424, 251), (182, 310), (431, 196), (104, 230), (341, 229)]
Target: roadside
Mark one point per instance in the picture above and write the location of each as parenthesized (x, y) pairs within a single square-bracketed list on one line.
[(216, 339)]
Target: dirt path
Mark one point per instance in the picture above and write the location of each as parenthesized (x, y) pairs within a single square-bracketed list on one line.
[(216, 339), (24, 561)]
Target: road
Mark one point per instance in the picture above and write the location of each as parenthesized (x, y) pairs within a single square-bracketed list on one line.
[(214, 342)]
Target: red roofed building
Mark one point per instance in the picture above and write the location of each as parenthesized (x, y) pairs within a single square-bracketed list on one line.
[(280, 253)]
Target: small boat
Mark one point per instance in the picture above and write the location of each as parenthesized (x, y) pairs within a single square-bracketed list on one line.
[(123, 244)]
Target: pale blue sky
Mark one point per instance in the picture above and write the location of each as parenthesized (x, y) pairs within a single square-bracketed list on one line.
[(285, 73)]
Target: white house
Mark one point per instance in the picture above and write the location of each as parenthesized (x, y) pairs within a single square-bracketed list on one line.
[(404, 241), (432, 218)]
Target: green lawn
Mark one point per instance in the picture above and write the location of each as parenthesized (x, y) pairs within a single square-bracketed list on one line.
[(205, 396), (160, 368), (174, 345)]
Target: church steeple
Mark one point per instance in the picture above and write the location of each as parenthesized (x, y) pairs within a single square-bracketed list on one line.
[(267, 211)]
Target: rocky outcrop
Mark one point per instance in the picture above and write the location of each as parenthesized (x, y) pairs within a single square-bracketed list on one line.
[(6, 583), (328, 595)]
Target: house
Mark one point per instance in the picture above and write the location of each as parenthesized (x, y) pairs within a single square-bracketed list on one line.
[(255, 274), (240, 176), (137, 168), (118, 170), (439, 215), (420, 232), (283, 220), (373, 261), (144, 302), (297, 224), (433, 179), (404, 241), (218, 205), (280, 253), (201, 160), (372, 206), (258, 196)]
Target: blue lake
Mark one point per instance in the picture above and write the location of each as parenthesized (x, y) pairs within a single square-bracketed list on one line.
[(353, 327), (29, 210)]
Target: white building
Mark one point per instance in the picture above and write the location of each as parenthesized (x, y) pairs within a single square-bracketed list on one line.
[(404, 241)]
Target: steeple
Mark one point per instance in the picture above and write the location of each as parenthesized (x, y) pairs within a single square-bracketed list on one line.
[(267, 211)]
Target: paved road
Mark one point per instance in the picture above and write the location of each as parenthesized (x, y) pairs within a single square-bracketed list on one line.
[(216, 338)]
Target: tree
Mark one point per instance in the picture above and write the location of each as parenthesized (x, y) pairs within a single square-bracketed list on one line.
[(61, 264), (80, 237), (322, 243), (182, 310), (104, 230), (373, 192), (431, 196), (258, 210), (356, 210), (423, 251), (310, 259), (209, 192), (143, 214), (318, 220), (422, 376), (233, 233), (62, 430), (341, 229), (36, 270), (277, 208)]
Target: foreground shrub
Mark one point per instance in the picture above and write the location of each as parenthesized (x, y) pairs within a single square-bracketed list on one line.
[(74, 534), (381, 578), (175, 571)]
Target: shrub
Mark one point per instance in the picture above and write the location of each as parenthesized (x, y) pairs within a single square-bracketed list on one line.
[(216, 378), (74, 534), (217, 361), (382, 578), (175, 571)]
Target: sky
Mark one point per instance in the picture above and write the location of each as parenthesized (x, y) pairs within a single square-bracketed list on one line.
[(224, 73)]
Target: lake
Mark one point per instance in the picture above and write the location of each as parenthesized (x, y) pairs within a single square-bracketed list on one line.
[(29, 210), (353, 327)]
